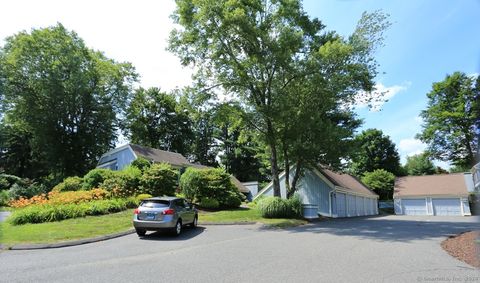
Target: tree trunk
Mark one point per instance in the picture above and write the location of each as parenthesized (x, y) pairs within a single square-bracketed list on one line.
[(296, 177), (273, 158), (287, 166)]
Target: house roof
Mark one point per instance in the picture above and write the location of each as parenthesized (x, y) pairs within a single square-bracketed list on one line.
[(431, 185), (178, 160), (157, 155), (346, 181)]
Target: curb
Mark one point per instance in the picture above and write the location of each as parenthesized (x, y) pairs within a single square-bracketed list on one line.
[(227, 223), (69, 243)]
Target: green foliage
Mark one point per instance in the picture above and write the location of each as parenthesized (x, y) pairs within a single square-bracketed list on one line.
[(419, 164), (26, 191), (94, 178), (141, 163), (209, 203), (69, 184), (155, 120), (124, 183), (159, 180), (374, 150), (61, 100), (140, 197), (456, 169), (4, 198), (6, 181), (275, 207), (451, 123), (252, 53), (51, 213), (380, 181), (198, 184)]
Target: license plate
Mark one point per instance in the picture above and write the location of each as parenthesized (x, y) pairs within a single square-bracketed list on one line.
[(149, 216)]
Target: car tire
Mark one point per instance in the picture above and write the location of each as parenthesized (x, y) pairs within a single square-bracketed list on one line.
[(141, 232), (177, 230), (195, 222)]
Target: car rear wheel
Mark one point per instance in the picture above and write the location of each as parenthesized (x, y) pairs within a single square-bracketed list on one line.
[(141, 232), (195, 222), (178, 228)]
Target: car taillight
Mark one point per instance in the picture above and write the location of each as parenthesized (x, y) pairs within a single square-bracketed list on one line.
[(136, 211), (168, 211)]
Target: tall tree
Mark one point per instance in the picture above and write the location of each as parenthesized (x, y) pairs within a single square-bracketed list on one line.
[(381, 181), (419, 164), (374, 150), (255, 50), (65, 95), (451, 121), (155, 119)]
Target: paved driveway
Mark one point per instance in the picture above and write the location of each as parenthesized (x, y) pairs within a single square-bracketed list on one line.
[(379, 249)]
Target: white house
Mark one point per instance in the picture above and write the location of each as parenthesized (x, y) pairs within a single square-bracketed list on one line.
[(433, 194), (334, 194)]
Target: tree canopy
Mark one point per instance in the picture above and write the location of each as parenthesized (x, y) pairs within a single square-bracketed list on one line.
[(381, 181), (61, 102), (374, 150), (271, 56), (420, 164), (451, 120)]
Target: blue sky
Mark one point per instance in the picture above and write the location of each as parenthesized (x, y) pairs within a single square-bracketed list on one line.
[(427, 41)]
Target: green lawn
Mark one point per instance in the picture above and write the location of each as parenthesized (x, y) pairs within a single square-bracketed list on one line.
[(245, 215), (66, 230)]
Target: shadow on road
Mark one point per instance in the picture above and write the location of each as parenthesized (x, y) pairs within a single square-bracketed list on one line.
[(187, 233), (391, 228)]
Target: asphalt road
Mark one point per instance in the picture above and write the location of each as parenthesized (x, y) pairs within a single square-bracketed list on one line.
[(379, 249)]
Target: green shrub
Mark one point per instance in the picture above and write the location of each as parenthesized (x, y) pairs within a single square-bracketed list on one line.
[(26, 191), (209, 203), (50, 213), (140, 197), (69, 184), (275, 207), (4, 198), (141, 163), (123, 183), (198, 184), (7, 181), (159, 179), (96, 177)]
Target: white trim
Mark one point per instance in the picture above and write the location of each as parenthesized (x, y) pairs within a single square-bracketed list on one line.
[(271, 183), (115, 150)]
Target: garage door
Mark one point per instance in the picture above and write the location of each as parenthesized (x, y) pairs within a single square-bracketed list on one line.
[(446, 206), (351, 206), (360, 206), (341, 206), (414, 206)]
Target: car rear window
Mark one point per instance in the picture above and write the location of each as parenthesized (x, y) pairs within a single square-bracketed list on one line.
[(155, 203)]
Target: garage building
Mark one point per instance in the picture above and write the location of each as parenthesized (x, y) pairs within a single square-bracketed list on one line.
[(333, 194), (432, 195)]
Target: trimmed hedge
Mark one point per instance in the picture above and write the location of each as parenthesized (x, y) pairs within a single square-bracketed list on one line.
[(204, 185), (160, 179), (275, 207), (69, 184), (124, 183), (94, 178), (51, 213)]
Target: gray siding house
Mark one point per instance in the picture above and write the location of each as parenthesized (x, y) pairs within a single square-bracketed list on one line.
[(119, 158), (334, 194)]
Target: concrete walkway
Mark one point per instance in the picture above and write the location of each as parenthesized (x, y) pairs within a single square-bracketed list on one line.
[(4, 215)]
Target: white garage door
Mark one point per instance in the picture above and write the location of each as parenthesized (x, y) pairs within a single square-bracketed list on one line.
[(351, 204), (360, 206), (414, 206), (341, 206), (446, 206)]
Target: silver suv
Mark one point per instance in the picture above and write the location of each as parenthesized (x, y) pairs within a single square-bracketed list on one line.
[(160, 213)]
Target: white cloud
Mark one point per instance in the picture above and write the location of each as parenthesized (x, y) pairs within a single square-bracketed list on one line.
[(380, 95), (412, 146), (131, 31)]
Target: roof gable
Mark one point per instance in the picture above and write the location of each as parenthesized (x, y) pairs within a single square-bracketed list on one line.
[(346, 181), (447, 184)]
